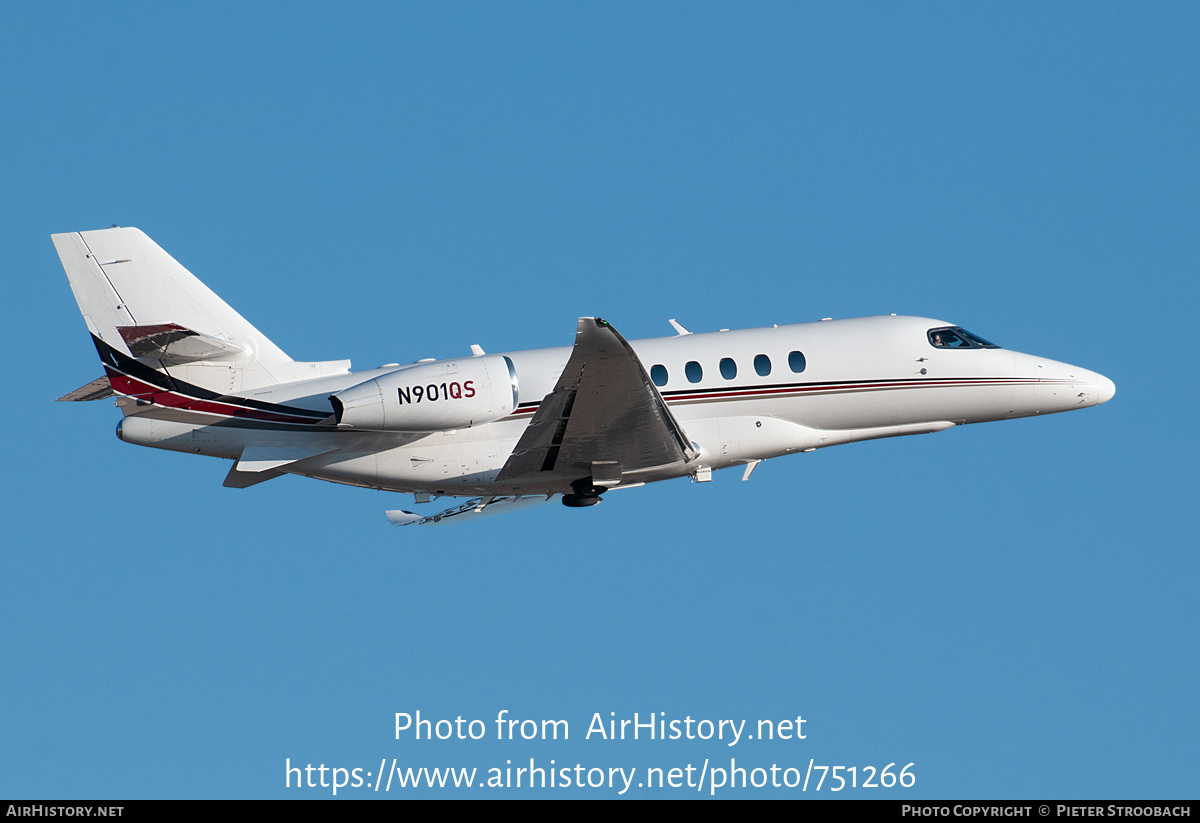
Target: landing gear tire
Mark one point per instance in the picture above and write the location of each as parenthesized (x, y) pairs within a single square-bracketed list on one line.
[(578, 501)]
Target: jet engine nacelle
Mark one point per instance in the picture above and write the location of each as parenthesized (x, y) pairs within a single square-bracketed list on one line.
[(450, 394)]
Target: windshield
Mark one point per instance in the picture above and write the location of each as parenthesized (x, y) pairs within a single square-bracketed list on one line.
[(955, 337)]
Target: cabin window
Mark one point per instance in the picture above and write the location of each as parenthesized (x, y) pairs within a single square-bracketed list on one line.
[(796, 361), (693, 371), (762, 364), (954, 337), (659, 375), (728, 368)]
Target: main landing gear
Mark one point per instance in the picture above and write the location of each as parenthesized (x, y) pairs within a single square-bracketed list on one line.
[(585, 493)]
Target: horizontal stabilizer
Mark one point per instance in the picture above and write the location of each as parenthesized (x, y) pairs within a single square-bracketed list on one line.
[(98, 389), (473, 509), (172, 345)]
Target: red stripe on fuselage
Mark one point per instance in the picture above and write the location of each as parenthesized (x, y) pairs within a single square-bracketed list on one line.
[(680, 398), (124, 384)]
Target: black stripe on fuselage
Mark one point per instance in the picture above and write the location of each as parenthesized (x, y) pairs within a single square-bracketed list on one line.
[(140, 371), (761, 391), (833, 385)]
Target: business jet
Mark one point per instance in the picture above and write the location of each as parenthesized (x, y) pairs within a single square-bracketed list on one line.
[(516, 429)]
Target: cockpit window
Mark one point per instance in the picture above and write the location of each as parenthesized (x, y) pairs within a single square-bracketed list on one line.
[(947, 339), (955, 337), (976, 340)]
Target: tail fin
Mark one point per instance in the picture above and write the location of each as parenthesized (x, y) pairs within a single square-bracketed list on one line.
[(140, 301)]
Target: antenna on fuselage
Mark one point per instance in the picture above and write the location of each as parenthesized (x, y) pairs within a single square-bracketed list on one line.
[(675, 324)]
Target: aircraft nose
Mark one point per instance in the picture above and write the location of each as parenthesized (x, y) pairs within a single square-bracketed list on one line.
[(1105, 389)]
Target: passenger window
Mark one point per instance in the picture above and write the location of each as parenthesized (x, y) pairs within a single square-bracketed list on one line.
[(693, 371), (796, 362), (762, 364), (659, 375), (728, 368)]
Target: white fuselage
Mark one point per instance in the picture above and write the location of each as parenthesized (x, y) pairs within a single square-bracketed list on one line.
[(860, 379)]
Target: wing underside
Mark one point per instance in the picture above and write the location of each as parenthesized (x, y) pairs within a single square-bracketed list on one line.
[(605, 423)]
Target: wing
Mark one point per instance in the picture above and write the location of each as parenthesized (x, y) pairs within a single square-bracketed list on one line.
[(604, 419), (471, 510)]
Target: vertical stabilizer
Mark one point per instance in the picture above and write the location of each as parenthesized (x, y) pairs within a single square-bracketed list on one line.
[(140, 301)]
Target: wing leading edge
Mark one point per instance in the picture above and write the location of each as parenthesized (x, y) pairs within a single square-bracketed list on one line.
[(604, 420)]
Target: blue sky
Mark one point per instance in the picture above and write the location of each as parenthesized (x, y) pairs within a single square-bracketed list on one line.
[(394, 181)]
